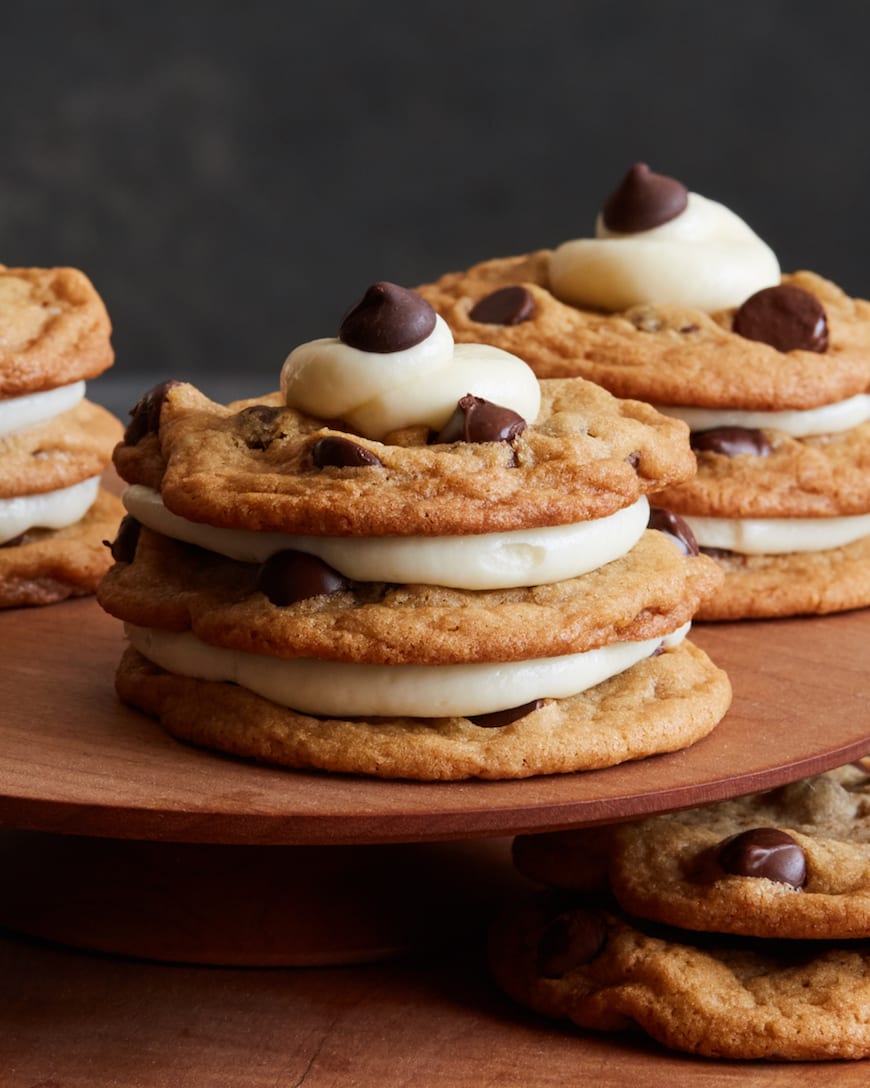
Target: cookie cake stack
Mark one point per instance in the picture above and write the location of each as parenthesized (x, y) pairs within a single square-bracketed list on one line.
[(416, 561)]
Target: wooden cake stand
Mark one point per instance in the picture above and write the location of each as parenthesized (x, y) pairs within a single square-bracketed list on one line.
[(120, 839)]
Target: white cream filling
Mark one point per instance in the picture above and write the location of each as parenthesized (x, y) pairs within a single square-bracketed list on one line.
[(527, 557), (707, 257), (381, 392), (19, 413), (834, 418), (51, 510), (337, 689), (778, 536)]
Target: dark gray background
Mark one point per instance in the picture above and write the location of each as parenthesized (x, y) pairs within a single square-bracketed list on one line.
[(232, 175)]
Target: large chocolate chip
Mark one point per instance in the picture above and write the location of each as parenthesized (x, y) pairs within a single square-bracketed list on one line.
[(644, 200), (479, 420), (499, 718), (339, 452), (765, 852), (571, 940), (672, 524), (145, 413), (387, 318), (291, 576), (123, 547), (730, 441), (786, 317), (506, 306)]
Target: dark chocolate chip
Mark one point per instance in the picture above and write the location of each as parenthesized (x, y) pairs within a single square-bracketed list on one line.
[(506, 306), (668, 522), (786, 317), (257, 425), (644, 200), (479, 420), (765, 852), (634, 458), (290, 576), (731, 441), (387, 318), (123, 547), (499, 718), (571, 940), (689, 328), (340, 452), (716, 553), (145, 413), (17, 540)]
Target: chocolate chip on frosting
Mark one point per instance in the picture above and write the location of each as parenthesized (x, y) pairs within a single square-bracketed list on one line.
[(387, 318), (644, 200), (731, 441), (145, 413), (123, 547), (479, 420), (500, 718), (506, 306), (337, 452), (290, 576), (765, 852), (665, 521), (786, 317), (571, 940)]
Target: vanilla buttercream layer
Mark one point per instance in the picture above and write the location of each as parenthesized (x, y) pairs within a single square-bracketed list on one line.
[(706, 257), (778, 536), (178, 587), (51, 510), (19, 413), (828, 419), (486, 561), (380, 392), (333, 689)]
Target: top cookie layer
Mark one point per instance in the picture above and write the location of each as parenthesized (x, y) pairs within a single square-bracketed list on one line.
[(664, 354), (586, 456), (54, 330)]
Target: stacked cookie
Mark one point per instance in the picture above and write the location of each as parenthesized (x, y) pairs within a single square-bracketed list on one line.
[(738, 930), (415, 561), (677, 302), (54, 444)]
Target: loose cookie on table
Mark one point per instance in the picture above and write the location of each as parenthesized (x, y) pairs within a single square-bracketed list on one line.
[(793, 862), (721, 997)]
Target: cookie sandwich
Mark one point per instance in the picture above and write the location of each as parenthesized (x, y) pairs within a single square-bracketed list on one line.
[(54, 444), (737, 930), (415, 561), (676, 301)]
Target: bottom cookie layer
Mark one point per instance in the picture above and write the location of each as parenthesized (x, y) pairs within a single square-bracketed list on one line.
[(715, 996), (662, 704), (51, 565), (799, 583)]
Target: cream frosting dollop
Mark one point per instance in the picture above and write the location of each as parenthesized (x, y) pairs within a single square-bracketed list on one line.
[(19, 413), (50, 510), (834, 418), (339, 689), (706, 257), (778, 536), (508, 560), (379, 392)]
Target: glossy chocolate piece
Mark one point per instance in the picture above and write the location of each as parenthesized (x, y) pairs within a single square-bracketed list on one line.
[(145, 413), (387, 318), (290, 576), (765, 852), (644, 200), (123, 547), (479, 420), (571, 940), (339, 452), (506, 306), (731, 441), (668, 522), (786, 317), (499, 718)]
